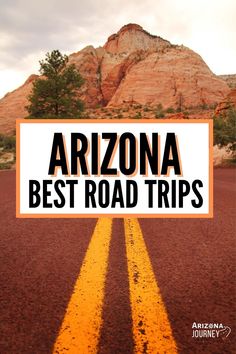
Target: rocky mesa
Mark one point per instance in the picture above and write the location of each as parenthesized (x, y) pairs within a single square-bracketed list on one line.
[(132, 67)]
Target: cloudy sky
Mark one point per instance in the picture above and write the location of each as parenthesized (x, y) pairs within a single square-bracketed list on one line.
[(30, 28)]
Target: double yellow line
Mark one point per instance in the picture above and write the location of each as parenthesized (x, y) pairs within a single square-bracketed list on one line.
[(80, 330), (151, 328)]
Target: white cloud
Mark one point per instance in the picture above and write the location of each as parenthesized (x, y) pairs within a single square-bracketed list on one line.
[(10, 80)]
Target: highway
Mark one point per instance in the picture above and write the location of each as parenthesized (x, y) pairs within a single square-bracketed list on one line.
[(112, 286)]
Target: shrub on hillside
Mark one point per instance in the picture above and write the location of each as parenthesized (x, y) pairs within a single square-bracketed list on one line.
[(225, 130), (7, 143)]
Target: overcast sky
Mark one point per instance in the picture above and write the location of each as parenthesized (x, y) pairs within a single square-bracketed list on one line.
[(30, 28)]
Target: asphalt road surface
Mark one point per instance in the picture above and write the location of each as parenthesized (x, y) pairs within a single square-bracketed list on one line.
[(114, 286)]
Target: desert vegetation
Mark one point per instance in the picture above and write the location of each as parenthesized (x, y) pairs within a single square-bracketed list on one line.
[(225, 132), (7, 151), (54, 95)]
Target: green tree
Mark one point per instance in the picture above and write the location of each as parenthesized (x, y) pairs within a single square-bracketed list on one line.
[(225, 130), (55, 95), (160, 111)]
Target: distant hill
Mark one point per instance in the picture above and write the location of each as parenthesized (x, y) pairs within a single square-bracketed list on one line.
[(229, 79)]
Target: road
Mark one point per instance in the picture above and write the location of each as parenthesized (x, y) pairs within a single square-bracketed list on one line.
[(115, 286)]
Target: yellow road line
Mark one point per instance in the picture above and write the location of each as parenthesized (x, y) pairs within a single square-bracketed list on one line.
[(151, 328), (79, 333)]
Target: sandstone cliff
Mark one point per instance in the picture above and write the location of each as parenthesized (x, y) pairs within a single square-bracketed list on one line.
[(12, 105), (132, 67), (228, 102)]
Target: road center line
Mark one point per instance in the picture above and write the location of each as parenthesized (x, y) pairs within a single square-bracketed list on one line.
[(151, 328), (80, 329)]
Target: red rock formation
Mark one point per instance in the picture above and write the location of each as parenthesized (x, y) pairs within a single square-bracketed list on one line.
[(132, 38), (175, 77), (87, 61), (228, 102), (12, 105), (133, 66)]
